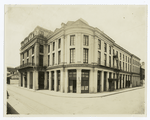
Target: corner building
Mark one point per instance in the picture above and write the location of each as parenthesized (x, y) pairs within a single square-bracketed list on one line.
[(76, 58)]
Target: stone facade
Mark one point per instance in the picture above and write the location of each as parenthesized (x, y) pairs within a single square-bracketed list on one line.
[(76, 58)]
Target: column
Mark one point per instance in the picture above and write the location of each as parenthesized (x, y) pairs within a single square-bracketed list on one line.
[(107, 83), (23, 79), (45, 80), (35, 80), (91, 90), (124, 81), (78, 81), (55, 80), (95, 80), (102, 81), (61, 80), (118, 81), (19, 82), (66, 81), (114, 81), (50, 79), (36, 52), (28, 80)]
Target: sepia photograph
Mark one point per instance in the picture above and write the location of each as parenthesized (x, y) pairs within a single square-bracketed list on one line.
[(75, 60)]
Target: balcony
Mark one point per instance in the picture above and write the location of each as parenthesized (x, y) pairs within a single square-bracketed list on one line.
[(26, 65)]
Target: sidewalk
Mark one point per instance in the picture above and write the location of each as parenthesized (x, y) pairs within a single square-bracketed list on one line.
[(85, 95)]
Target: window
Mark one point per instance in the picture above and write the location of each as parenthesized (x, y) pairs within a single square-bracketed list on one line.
[(123, 65), (53, 58), (120, 64), (109, 49), (48, 59), (126, 58), (126, 66), (105, 58), (27, 61), (117, 53), (41, 60), (72, 38), (28, 53), (117, 63), (120, 56), (48, 48), (105, 47), (99, 44), (53, 46), (32, 50), (86, 40), (23, 62), (23, 55), (33, 60), (123, 57), (99, 57), (110, 61), (41, 48), (59, 57), (59, 43), (113, 52), (85, 55), (72, 55)]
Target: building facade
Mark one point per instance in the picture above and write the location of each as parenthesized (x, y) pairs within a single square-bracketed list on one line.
[(76, 58)]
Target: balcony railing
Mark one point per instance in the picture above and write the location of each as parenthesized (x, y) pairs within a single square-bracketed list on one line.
[(26, 65)]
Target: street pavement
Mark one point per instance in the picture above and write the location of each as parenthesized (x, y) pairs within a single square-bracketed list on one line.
[(43, 102)]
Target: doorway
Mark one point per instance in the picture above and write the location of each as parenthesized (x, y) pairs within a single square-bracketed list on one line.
[(98, 81), (41, 80), (72, 81), (105, 75), (85, 81), (58, 80), (31, 80), (52, 80)]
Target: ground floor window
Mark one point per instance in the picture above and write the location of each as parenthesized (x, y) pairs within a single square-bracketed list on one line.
[(52, 80), (72, 81), (58, 80), (98, 81), (85, 81)]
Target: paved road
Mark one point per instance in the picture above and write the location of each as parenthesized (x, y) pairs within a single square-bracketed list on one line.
[(29, 102)]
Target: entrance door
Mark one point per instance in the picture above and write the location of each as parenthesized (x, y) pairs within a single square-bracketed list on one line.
[(52, 81), (31, 80), (105, 81), (120, 81), (98, 81), (58, 80), (123, 81), (41, 80), (72, 81), (25, 79), (85, 81)]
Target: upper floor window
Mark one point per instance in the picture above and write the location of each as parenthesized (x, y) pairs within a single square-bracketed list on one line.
[(117, 53), (53, 46), (110, 61), (59, 43), (72, 40), (32, 50), (86, 40), (105, 59), (99, 57), (72, 55), (126, 58), (32, 59), (28, 53), (48, 59), (99, 44), (105, 47), (23, 55), (123, 57), (59, 57), (113, 51), (85, 55), (41, 60), (41, 48), (120, 56), (109, 49), (48, 48), (53, 58)]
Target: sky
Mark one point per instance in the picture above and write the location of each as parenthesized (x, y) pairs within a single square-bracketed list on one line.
[(125, 24)]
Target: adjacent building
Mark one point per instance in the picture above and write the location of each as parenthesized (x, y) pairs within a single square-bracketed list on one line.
[(76, 58)]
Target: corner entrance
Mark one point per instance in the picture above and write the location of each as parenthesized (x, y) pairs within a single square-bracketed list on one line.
[(85, 81), (41, 80), (72, 81)]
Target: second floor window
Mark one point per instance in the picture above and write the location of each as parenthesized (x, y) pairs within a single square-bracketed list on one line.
[(105, 47), (28, 53), (53, 46), (117, 53), (110, 61), (99, 44), (53, 58), (48, 48), (126, 66), (23, 55), (123, 57), (27, 60), (72, 40), (48, 59), (32, 50), (59, 43), (85, 55), (120, 64), (59, 57), (123, 65), (99, 57), (126, 58), (41, 60), (86, 40), (41, 48), (33, 60), (72, 55), (120, 56), (105, 59), (109, 49)]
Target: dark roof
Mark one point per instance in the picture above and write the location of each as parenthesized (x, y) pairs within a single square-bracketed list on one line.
[(11, 69)]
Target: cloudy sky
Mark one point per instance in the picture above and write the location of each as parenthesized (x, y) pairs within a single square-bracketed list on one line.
[(125, 24)]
